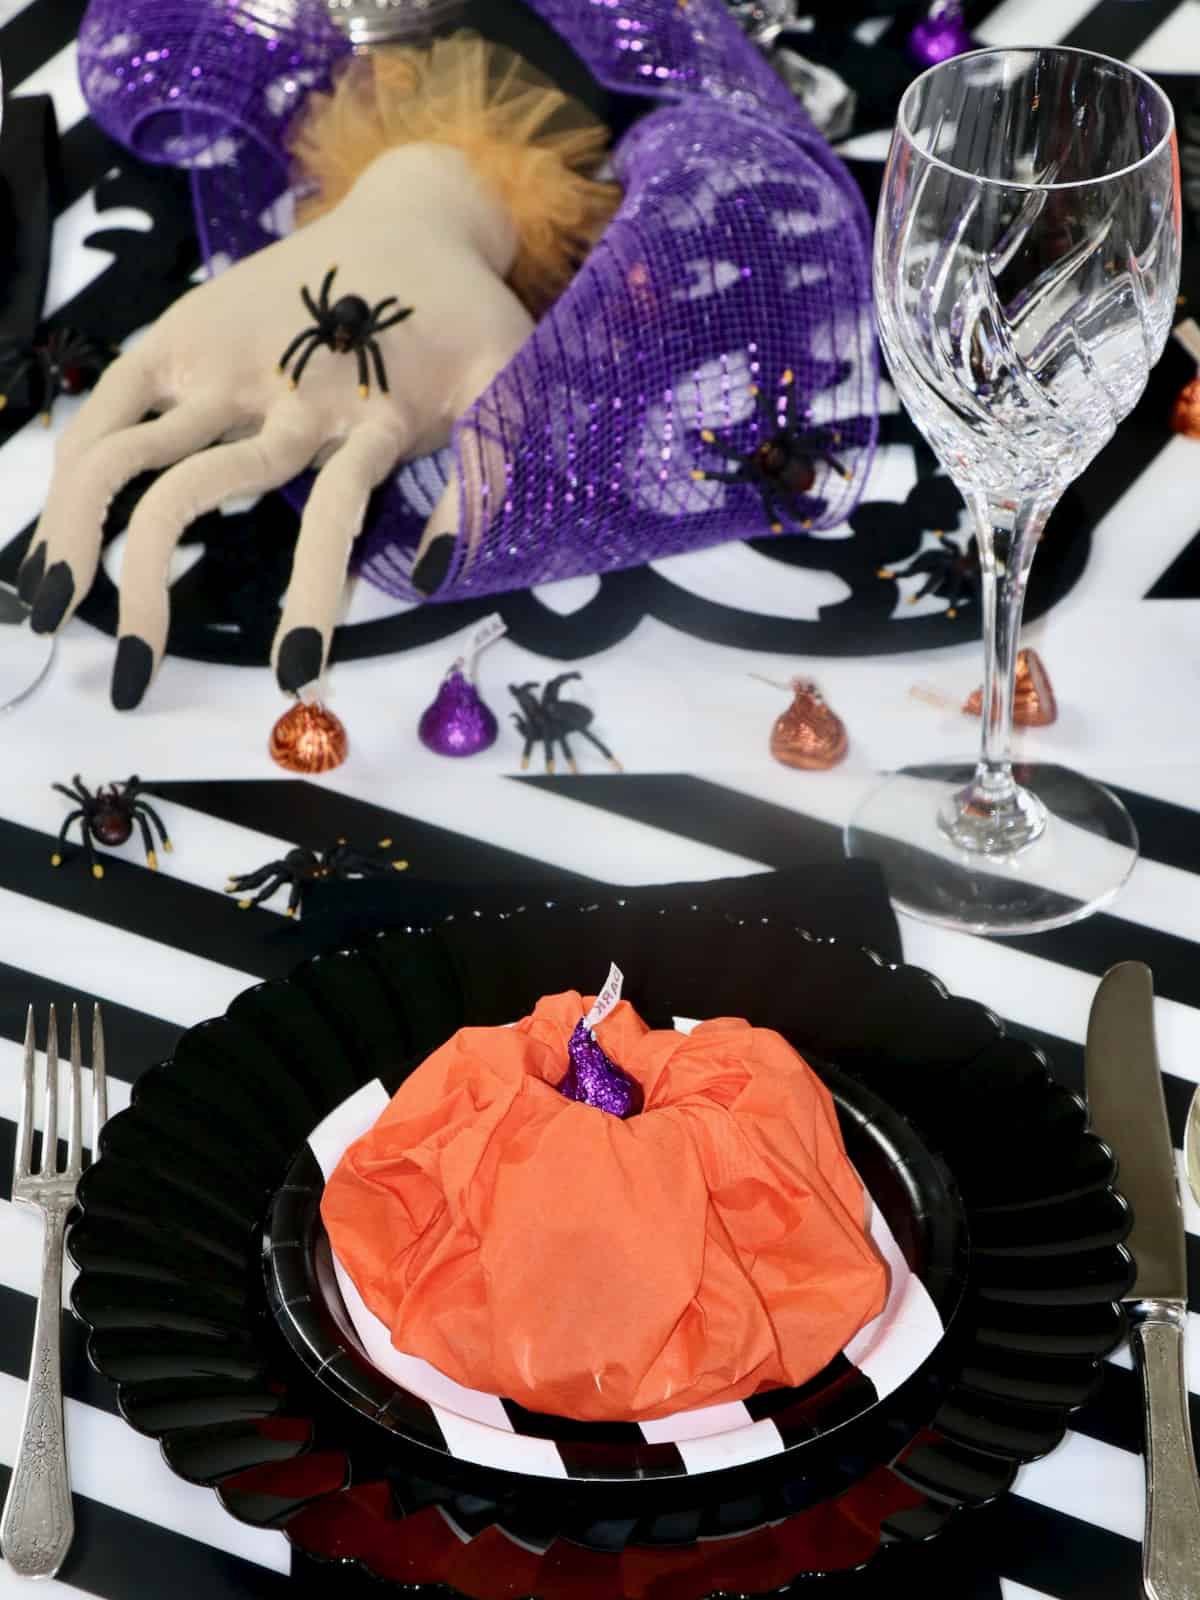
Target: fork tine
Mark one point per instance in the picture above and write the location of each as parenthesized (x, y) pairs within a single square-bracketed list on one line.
[(50, 1136), (75, 1143), (24, 1149), (99, 1081)]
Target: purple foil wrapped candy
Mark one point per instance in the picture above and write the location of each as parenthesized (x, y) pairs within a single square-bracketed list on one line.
[(595, 1080), (457, 723), (741, 251), (940, 35)]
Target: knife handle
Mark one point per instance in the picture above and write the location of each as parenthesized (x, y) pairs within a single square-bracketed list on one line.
[(1171, 1548)]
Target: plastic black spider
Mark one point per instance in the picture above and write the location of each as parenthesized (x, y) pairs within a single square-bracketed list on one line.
[(548, 721), (950, 570), (347, 324), (300, 867), (62, 362), (108, 817), (783, 465)]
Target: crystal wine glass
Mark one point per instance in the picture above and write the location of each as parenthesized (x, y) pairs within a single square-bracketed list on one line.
[(1026, 267)]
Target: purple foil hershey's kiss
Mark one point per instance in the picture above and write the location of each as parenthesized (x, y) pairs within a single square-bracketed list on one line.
[(457, 723), (595, 1080), (940, 35)]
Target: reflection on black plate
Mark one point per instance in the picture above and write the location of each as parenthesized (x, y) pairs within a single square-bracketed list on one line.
[(819, 1438), (169, 1241)]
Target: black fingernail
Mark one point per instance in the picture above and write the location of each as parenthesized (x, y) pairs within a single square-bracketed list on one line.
[(30, 575), (299, 660), (53, 597), (131, 672), (430, 571)]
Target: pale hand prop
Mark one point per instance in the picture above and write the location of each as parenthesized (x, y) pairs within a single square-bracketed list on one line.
[(418, 226)]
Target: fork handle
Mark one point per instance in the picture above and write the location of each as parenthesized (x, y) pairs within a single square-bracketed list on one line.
[(38, 1523)]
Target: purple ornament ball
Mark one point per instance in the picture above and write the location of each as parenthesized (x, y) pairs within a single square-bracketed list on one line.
[(457, 723), (940, 35)]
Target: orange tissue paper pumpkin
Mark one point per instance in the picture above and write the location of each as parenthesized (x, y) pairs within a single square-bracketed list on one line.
[(538, 1248)]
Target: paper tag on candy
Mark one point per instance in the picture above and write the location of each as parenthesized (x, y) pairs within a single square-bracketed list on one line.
[(606, 999), (488, 631)]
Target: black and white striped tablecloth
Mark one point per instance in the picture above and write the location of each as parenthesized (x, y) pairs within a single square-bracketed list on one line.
[(701, 799)]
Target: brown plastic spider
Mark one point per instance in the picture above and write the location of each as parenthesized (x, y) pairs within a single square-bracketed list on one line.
[(783, 465), (950, 570), (108, 817), (64, 361), (348, 324), (548, 721), (300, 867)]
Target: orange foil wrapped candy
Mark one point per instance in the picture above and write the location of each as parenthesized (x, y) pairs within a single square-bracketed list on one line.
[(1185, 413), (1034, 705), (308, 738), (808, 734), (537, 1248)]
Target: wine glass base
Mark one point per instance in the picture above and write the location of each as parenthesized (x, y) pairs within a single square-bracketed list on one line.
[(1073, 866)]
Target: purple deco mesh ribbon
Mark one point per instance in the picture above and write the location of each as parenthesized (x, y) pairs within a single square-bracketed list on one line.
[(741, 251)]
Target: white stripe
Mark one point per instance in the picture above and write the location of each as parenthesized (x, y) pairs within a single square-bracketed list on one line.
[(59, 78), (1094, 1482), (1022, 22), (1018, 1591), (717, 1450), (124, 967), (120, 1468), (557, 831), (697, 1424), (493, 1447), (1172, 47), (8, 10), (14, 1588)]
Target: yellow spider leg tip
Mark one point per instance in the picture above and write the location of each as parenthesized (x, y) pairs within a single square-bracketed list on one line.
[(698, 475), (708, 436), (574, 765), (290, 912), (399, 866), (363, 390), (152, 861), (913, 598), (56, 860), (788, 377), (243, 905), (807, 523), (550, 765), (754, 391), (291, 383), (97, 870), (385, 844), (168, 846), (45, 419), (280, 369), (616, 765), (884, 572), (777, 527), (524, 763), (952, 612), (3, 401)]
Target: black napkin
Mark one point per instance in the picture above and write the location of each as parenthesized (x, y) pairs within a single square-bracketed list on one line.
[(844, 900), (29, 190)]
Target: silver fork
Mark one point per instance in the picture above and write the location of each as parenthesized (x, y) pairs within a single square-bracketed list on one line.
[(38, 1523)]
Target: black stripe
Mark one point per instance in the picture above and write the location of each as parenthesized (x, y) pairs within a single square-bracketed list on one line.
[(708, 813), (540, 1425), (1115, 1415), (80, 1379), (118, 1556), (306, 814), (35, 35), (1116, 28), (1168, 833), (133, 1039), (201, 922), (86, 154)]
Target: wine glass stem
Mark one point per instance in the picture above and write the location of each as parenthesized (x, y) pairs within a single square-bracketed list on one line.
[(992, 814)]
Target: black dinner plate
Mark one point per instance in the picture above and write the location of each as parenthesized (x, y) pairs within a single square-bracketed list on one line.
[(169, 1238)]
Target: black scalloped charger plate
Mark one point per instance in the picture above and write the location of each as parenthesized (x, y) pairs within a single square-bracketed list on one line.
[(169, 1238)]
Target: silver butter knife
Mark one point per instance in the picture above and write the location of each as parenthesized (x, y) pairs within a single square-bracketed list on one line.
[(1125, 1097)]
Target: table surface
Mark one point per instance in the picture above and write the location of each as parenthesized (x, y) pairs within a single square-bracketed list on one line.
[(701, 799)]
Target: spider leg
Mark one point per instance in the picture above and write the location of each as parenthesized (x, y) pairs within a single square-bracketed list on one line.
[(90, 847), (310, 305), (308, 333), (390, 322), (15, 376), (293, 905), (147, 840), (603, 749), (548, 741), (158, 823), (380, 369), (327, 288), (702, 475), (71, 794), (774, 515), (251, 880), (276, 881), (56, 858), (572, 764), (364, 378), (304, 360), (730, 452), (84, 793), (377, 311)]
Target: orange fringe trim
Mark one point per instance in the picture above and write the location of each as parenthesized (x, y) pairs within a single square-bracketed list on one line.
[(530, 143)]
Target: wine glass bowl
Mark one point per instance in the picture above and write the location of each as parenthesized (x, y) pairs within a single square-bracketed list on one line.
[(1026, 267)]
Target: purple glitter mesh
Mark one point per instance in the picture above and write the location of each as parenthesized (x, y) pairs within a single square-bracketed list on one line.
[(741, 252), (594, 1080), (457, 723)]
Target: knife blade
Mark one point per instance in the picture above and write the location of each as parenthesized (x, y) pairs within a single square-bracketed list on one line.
[(1128, 1111)]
